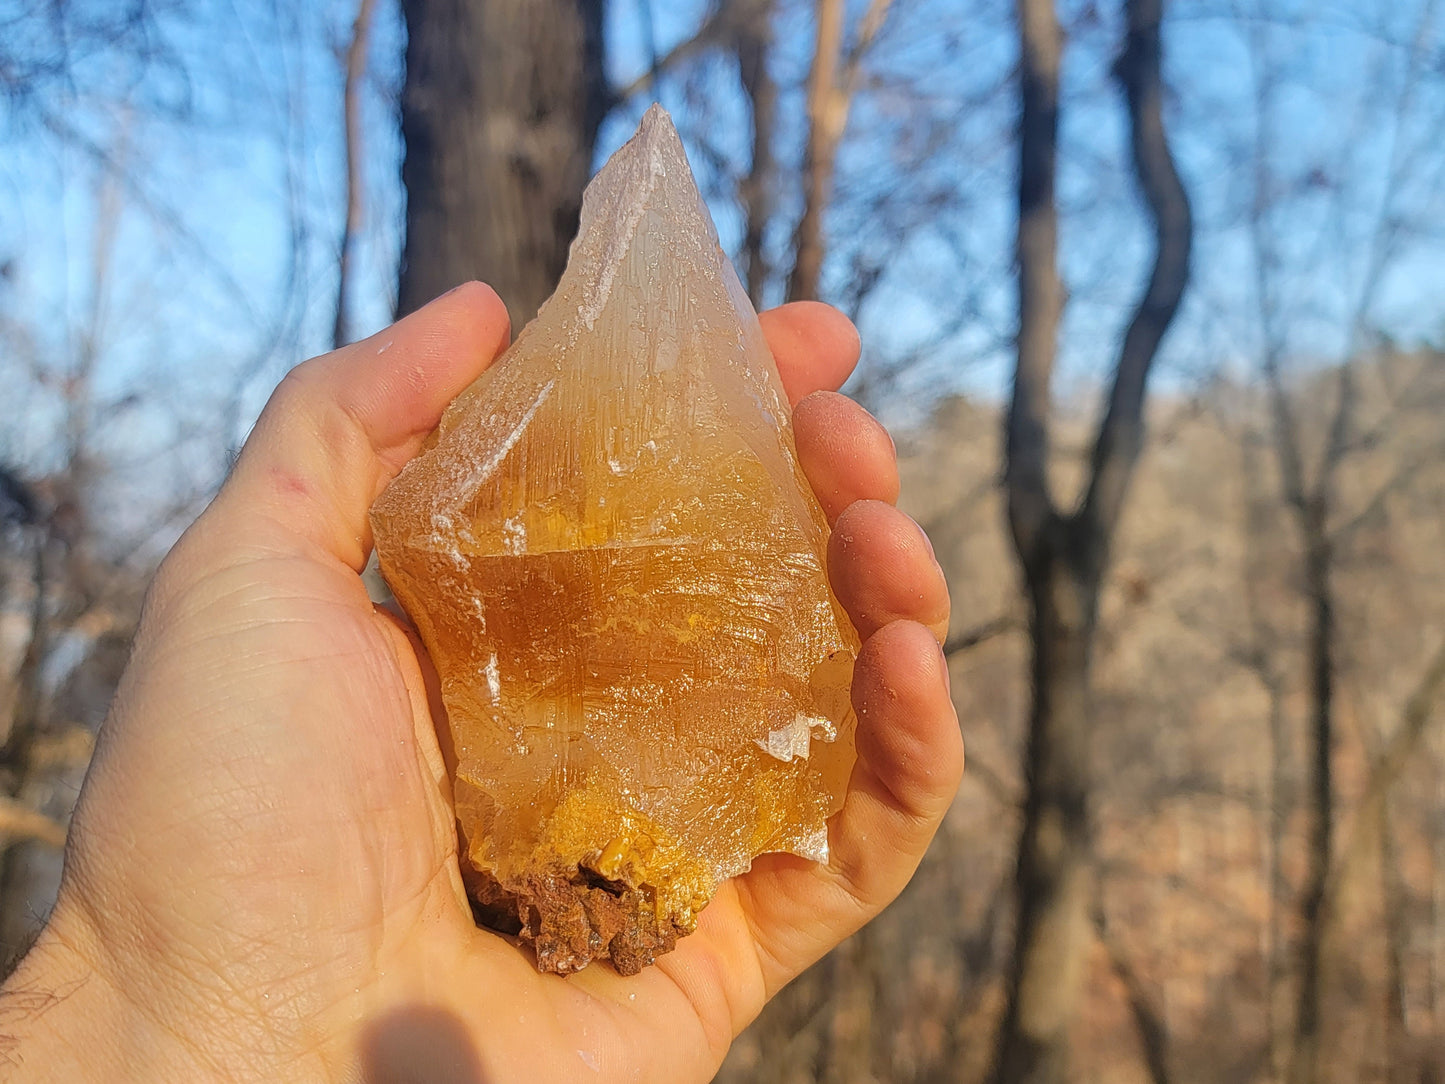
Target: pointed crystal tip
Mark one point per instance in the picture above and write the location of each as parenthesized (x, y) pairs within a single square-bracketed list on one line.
[(656, 118)]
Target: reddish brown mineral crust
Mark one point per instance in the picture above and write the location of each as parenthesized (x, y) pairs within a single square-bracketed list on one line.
[(618, 568)]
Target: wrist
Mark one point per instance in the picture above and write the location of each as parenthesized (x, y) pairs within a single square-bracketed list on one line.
[(54, 1021), (63, 1018)]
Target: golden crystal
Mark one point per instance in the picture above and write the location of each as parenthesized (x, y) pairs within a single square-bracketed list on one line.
[(618, 569)]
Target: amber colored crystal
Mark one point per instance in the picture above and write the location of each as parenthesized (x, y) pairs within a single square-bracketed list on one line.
[(618, 568)]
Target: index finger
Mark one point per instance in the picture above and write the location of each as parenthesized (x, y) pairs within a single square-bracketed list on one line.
[(816, 346)]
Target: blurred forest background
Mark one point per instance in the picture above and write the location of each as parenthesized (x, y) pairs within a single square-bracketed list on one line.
[(1199, 663)]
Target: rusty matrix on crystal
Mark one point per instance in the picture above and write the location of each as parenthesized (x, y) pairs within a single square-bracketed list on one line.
[(618, 568)]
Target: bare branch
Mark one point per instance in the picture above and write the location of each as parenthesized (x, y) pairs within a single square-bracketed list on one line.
[(1153, 1032), (714, 30), (1415, 719), (1284, 429), (165, 216), (67, 747), (988, 630), (873, 20), (1383, 241), (19, 823), (1373, 511), (1286, 434), (1004, 792), (351, 109), (1121, 435)]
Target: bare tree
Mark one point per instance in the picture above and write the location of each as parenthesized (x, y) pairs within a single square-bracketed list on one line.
[(1258, 656), (1063, 555), (1312, 492), (1373, 836), (71, 589)]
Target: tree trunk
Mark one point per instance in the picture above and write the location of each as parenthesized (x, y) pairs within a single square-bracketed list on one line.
[(1277, 1037), (1318, 558), (1373, 838), (1055, 886), (1436, 991), (500, 111), (1399, 1056), (1065, 557), (1053, 889)]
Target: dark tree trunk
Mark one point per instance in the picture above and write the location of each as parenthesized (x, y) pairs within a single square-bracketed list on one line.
[(1399, 1055), (754, 42), (1052, 881), (1055, 880), (1275, 965), (1319, 589), (500, 111), (1064, 557)]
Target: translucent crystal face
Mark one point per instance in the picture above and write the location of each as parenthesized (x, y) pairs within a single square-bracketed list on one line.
[(618, 569)]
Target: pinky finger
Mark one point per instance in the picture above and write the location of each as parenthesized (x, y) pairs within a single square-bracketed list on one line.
[(910, 762)]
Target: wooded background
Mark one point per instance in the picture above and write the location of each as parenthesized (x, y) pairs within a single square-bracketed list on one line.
[(1153, 294)]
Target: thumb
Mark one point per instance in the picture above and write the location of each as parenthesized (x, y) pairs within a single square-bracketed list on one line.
[(339, 427)]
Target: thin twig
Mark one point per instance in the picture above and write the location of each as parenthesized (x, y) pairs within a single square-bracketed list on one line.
[(355, 197)]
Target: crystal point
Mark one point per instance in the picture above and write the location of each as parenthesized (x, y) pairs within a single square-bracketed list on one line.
[(618, 568)]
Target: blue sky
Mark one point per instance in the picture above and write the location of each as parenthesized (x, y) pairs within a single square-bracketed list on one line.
[(220, 255)]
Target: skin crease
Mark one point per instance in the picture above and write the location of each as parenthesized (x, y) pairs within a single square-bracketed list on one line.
[(261, 880)]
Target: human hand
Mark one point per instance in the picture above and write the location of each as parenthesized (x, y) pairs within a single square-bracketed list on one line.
[(261, 880)]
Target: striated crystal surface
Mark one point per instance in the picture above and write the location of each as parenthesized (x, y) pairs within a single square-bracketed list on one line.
[(618, 569)]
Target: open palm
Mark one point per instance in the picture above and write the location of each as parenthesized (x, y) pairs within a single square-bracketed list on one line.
[(262, 869)]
